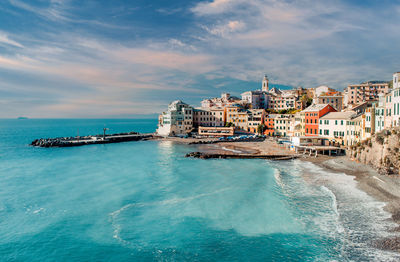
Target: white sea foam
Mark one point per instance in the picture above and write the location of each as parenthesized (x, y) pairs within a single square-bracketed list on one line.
[(361, 219), (114, 215), (231, 150)]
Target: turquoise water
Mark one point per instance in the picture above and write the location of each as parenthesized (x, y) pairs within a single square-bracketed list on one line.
[(143, 201)]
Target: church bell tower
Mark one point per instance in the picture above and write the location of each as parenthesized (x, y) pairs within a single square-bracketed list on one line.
[(265, 84)]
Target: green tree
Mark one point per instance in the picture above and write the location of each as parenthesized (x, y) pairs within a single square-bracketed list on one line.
[(261, 129), (229, 124)]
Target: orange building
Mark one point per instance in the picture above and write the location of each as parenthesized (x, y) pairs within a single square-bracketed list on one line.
[(312, 115), (269, 122)]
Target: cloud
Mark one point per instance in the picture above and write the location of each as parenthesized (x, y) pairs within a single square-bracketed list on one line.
[(215, 7), (4, 39), (224, 30), (69, 62), (297, 42)]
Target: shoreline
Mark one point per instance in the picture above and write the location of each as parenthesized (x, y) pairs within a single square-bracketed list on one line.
[(381, 187)]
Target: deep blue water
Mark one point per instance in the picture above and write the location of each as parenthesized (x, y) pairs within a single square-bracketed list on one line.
[(143, 201)]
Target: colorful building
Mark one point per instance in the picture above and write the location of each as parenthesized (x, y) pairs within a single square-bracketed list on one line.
[(269, 122), (335, 99), (312, 115), (365, 91)]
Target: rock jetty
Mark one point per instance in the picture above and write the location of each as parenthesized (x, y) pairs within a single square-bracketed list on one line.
[(90, 140), (203, 155)]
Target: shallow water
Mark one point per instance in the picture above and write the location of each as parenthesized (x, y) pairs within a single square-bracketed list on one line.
[(143, 201)]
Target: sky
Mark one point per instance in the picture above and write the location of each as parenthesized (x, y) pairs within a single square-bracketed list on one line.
[(122, 58)]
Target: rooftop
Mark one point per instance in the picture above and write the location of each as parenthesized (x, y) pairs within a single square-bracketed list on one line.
[(339, 115), (315, 107)]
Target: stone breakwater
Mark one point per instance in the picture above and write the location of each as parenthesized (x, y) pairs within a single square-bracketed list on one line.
[(90, 140), (203, 155), (204, 142)]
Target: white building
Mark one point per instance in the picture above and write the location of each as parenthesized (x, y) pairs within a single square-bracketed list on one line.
[(177, 120), (380, 113), (396, 99), (333, 125), (323, 89), (257, 99), (283, 124)]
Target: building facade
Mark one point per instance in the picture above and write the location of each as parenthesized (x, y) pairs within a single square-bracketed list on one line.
[(257, 99), (333, 126), (335, 100), (208, 117), (312, 115), (388, 110), (380, 113), (177, 120), (367, 91), (396, 99)]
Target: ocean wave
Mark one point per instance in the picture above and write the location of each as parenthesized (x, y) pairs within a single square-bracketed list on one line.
[(173, 201)]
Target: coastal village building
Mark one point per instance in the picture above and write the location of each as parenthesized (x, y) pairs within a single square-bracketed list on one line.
[(282, 124), (321, 90), (333, 125), (237, 116), (369, 118), (257, 99), (269, 122), (380, 113), (255, 118), (396, 99), (209, 117), (312, 115), (283, 101), (299, 124), (216, 131), (335, 99), (354, 130), (225, 100), (365, 91), (388, 110), (177, 120)]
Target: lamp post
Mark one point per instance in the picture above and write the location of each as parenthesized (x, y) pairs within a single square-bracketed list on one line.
[(104, 133)]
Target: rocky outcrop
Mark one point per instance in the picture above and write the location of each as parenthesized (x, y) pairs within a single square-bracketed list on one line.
[(381, 152)]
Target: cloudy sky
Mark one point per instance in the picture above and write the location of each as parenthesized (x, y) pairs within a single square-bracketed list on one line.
[(122, 58)]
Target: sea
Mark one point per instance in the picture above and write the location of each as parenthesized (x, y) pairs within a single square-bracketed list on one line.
[(144, 201)]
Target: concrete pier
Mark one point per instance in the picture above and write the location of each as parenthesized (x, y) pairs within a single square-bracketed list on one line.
[(90, 140)]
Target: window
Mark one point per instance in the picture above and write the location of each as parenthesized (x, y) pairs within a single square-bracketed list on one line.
[(341, 122)]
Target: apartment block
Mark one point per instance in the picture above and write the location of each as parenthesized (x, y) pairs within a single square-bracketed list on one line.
[(312, 115), (365, 91), (177, 120)]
